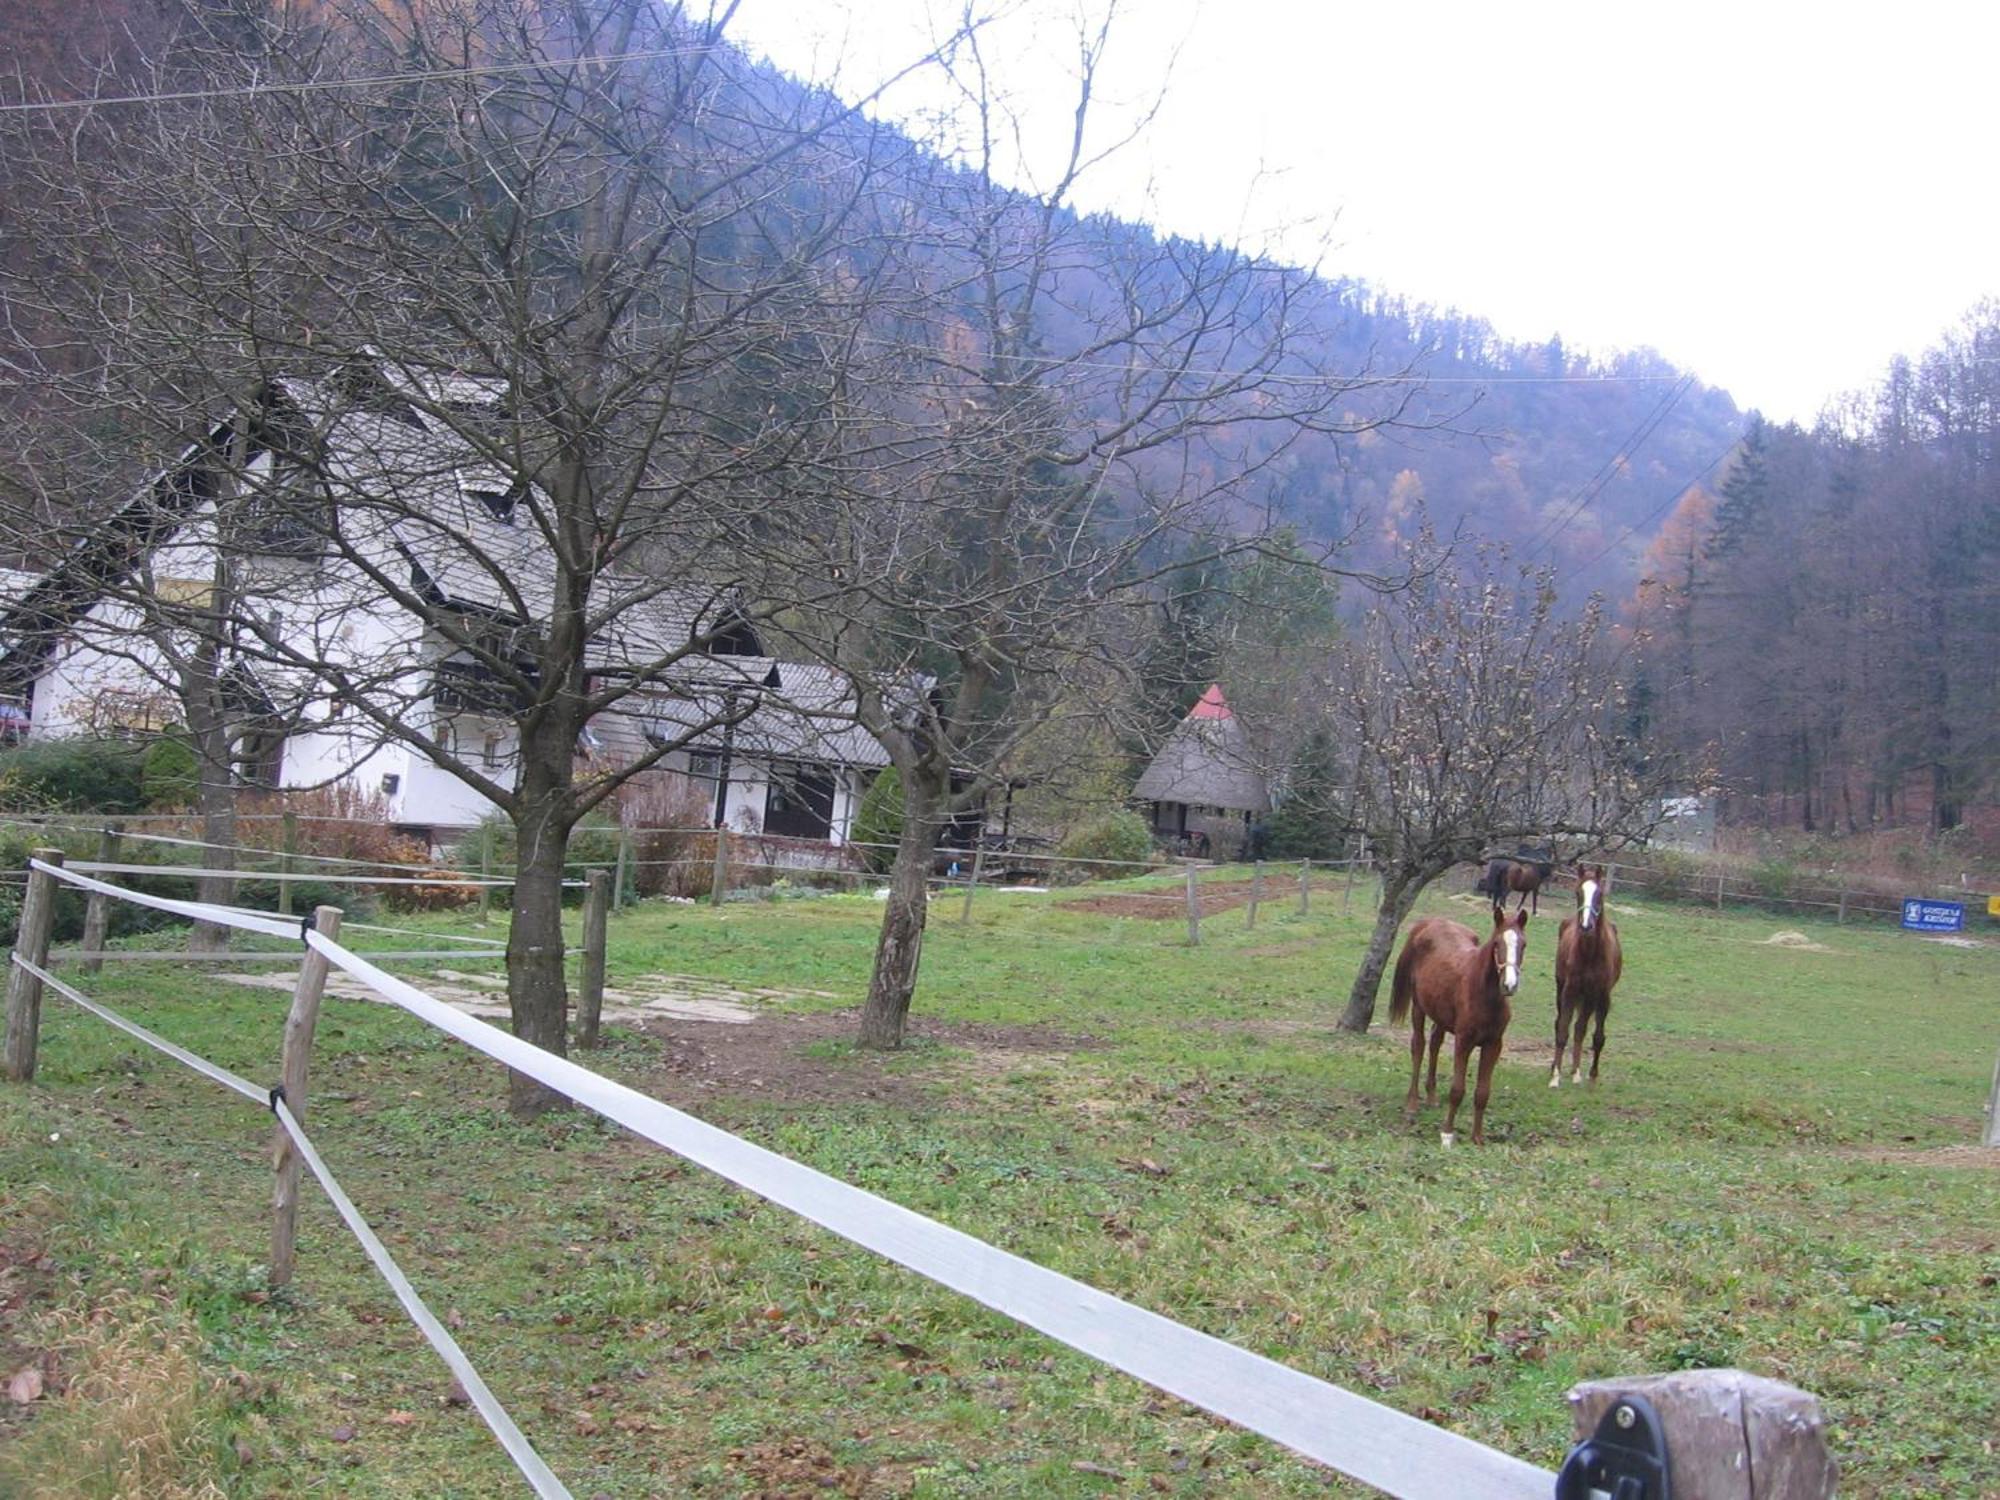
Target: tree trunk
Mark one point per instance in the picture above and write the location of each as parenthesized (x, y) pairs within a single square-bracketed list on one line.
[(1399, 894), (536, 993), (215, 800), (902, 941)]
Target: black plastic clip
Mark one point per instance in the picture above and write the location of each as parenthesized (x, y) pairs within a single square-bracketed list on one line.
[(278, 1097), (1625, 1459), (306, 924)]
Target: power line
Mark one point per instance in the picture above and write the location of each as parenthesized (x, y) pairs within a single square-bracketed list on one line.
[(317, 85), (1546, 534), (1661, 509)]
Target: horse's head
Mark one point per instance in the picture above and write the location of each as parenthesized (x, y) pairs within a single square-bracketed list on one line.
[(1590, 884), (1510, 941)]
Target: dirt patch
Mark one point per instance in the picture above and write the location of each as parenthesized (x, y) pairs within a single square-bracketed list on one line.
[(1216, 897), (1797, 941), (1930, 1156), (27, 1284), (682, 996), (805, 1060)]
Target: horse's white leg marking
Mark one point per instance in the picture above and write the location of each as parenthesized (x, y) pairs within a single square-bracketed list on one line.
[(1556, 1075)]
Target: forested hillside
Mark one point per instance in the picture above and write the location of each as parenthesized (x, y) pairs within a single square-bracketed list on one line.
[(1824, 616), (1570, 458)]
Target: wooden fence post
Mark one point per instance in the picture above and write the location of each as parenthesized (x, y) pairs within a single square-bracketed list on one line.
[(1841, 915), (1729, 1435), (1347, 890), (596, 911), (285, 863), (1305, 887), (624, 865), (485, 874), (24, 991), (718, 880), (1992, 1135), (300, 1023), (1718, 891), (97, 910), (978, 869), (1193, 910), (1256, 893)]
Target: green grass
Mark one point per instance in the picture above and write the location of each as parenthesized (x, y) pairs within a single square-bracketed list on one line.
[(1764, 1179)]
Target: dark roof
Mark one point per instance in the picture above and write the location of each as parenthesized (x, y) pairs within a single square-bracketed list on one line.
[(1208, 760)]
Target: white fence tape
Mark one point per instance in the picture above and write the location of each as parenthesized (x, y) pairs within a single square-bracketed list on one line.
[(295, 877), (200, 911), (1371, 1442), (222, 1075), (1398, 1453), (538, 1474)]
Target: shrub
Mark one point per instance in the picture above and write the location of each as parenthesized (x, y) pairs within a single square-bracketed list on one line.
[(1106, 848), (170, 775), (592, 844), (878, 827), (72, 775), (1775, 879), (673, 850)]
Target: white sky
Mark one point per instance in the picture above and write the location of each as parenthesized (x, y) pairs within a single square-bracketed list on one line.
[(1777, 196)]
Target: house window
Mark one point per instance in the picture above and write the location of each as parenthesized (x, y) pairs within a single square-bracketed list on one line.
[(391, 784), (704, 765), (490, 751)]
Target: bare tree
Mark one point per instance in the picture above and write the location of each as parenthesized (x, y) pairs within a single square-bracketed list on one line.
[(1475, 715), (521, 311), (1070, 400)]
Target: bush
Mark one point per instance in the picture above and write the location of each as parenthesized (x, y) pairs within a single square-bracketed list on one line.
[(73, 775), (1775, 879), (170, 775), (593, 844), (673, 849), (1106, 848), (878, 827)]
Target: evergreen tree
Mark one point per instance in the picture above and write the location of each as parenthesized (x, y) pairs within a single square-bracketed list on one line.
[(1746, 493), (1311, 820)]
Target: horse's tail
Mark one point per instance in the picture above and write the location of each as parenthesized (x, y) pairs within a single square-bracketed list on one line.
[(1404, 986)]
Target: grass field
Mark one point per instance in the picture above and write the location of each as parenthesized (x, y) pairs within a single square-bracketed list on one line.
[(1776, 1173)]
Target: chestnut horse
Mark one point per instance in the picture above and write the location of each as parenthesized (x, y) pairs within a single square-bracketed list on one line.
[(1588, 963), (1504, 877), (1460, 985)]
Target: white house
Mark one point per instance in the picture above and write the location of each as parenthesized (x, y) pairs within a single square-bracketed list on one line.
[(421, 517)]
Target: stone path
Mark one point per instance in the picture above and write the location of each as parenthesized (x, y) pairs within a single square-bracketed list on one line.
[(683, 997)]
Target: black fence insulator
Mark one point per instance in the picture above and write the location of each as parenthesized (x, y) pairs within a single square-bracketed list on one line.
[(1625, 1459)]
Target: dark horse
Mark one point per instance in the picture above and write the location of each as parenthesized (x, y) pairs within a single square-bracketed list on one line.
[(1504, 877), (1460, 985), (1588, 963)]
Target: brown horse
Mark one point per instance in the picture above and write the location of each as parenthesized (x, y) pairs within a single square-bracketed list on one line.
[(1504, 877), (1588, 963), (1460, 985)]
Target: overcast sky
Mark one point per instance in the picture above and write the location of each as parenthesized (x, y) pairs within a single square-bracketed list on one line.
[(1777, 196)]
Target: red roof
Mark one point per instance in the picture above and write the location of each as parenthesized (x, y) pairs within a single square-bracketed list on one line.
[(1212, 705)]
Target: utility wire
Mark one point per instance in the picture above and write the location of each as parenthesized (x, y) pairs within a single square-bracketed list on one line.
[(1546, 534), (1662, 508)]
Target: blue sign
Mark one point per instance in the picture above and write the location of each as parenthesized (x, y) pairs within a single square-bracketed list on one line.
[(1934, 916)]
